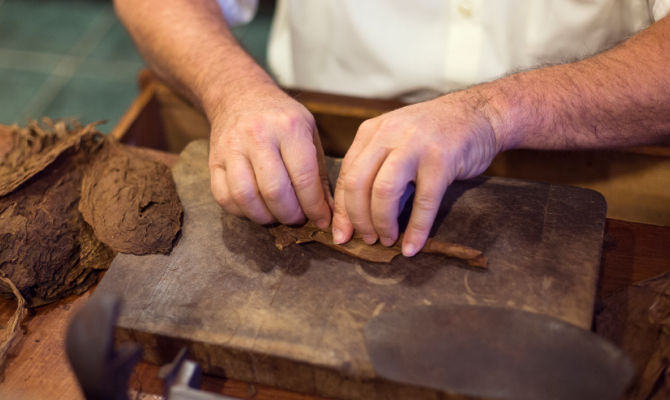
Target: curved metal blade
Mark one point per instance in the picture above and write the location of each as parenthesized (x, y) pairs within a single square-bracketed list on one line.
[(496, 353)]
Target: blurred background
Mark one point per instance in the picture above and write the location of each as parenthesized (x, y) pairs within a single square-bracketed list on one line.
[(73, 58)]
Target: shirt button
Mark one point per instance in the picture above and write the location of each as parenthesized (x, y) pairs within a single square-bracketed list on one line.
[(465, 8)]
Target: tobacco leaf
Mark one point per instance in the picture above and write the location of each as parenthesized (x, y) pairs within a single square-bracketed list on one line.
[(36, 146), (43, 234), (48, 250), (130, 201), (356, 247)]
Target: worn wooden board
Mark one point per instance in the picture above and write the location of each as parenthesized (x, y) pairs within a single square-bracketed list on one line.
[(294, 318)]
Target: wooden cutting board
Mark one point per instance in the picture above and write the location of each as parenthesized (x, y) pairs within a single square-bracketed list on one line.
[(294, 318)]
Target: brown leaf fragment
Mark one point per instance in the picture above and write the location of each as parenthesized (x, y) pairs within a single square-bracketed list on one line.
[(356, 247), (286, 235), (473, 257), (130, 201)]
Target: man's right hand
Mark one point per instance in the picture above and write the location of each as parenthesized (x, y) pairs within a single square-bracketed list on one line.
[(262, 159)]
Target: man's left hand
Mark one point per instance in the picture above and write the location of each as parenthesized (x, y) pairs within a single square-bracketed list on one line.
[(430, 144)]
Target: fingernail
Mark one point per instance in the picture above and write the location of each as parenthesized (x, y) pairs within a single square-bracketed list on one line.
[(323, 223), (338, 236), (370, 239), (387, 241), (409, 250)]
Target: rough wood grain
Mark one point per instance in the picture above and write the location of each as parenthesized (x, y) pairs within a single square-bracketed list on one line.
[(37, 368), (632, 252), (293, 319)]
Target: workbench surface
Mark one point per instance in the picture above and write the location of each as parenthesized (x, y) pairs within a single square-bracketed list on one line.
[(38, 369)]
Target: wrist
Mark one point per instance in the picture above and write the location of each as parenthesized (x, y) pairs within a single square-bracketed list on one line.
[(233, 86), (501, 111)]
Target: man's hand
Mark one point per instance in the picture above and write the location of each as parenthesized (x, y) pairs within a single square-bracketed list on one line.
[(429, 143), (263, 161)]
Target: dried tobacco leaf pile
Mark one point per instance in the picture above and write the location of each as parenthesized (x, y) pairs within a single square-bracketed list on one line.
[(49, 250), (42, 232)]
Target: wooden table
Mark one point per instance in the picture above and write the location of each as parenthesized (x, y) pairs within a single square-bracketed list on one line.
[(37, 368)]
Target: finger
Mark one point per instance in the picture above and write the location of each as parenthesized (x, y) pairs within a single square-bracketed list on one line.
[(397, 171), (275, 186), (364, 135), (342, 227), (325, 183), (221, 193), (244, 190), (357, 190), (323, 171), (432, 180), (300, 158)]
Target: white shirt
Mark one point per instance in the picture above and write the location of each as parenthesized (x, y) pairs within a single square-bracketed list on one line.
[(418, 48)]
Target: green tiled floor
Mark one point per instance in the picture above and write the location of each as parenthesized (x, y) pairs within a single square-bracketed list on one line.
[(73, 58), (19, 87)]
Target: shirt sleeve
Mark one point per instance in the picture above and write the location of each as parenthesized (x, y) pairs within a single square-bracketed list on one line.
[(659, 8), (238, 12)]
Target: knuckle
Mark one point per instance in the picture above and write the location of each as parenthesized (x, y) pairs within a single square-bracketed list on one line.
[(304, 179), (273, 193), (257, 133), (385, 189), (353, 183), (391, 124), (436, 153), (220, 197), (243, 194), (295, 121), (421, 224), (228, 204), (367, 125), (424, 202)]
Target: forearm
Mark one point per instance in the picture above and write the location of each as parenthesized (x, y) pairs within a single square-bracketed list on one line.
[(187, 43), (617, 98)]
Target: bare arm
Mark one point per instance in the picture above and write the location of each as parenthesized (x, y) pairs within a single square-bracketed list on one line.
[(616, 98), (262, 157), (619, 97), (179, 38)]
